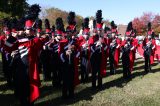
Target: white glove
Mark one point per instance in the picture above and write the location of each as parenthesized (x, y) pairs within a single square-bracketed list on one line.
[(85, 45), (68, 52), (98, 43), (132, 48), (117, 46), (106, 47), (14, 53), (153, 47), (44, 47)]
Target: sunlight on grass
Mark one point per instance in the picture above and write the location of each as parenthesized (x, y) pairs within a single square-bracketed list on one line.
[(142, 89)]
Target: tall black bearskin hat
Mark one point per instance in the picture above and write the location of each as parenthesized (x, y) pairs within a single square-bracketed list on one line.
[(6, 26), (107, 30), (5, 22), (71, 18), (99, 16), (85, 25), (149, 26), (21, 24), (47, 26), (32, 15), (39, 25), (114, 27), (150, 31), (94, 23), (99, 19), (129, 29), (59, 26), (14, 23), (53, 30), (134, 32), (71, 21)]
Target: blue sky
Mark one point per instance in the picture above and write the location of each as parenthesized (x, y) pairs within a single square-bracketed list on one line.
[(121, 11)]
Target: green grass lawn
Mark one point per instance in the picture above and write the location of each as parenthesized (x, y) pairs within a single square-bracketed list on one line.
[(142, 89)]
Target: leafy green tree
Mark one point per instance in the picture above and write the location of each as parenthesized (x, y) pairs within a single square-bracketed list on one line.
[(13, 8)]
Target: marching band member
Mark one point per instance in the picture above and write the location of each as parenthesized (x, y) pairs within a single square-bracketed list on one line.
[(97, 52), (114, 49), (127, 47), (9, 44), (85, 51), (39, 34), (57, 46), (107, 39), (25, 61), (133, 49), (39, 27), (149, 47), (70, 58), (46, 54)]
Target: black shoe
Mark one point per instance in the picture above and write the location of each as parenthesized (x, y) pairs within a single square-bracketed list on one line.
[(129, 76), (93, 88), (82, 81), (86, 80), (71, 96), (114, 71), (147, 71), (125, 76), (99, 87), (64, 97), (111, 73)]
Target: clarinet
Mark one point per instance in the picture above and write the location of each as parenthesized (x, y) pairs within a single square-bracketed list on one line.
[(70, 50), (148, 47), (114, 44), (99, 44), (69, 58), (86, 48), (127, 47)]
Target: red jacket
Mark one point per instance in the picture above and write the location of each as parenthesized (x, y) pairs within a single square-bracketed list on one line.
[(32, 48)]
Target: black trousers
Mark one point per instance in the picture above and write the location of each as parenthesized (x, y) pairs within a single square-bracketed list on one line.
[(96, 66), (147, 66), (25, 102), (111, 61), (84, 70), (126, 63), (46, 70), (46, 63), (21, 81), (56, 70), (7, 70), (68, 80)]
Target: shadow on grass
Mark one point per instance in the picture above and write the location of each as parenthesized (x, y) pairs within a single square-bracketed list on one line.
[(8, 100), (139, 61), (1, 73), (121, 82), (85, 94), (156, 70)]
